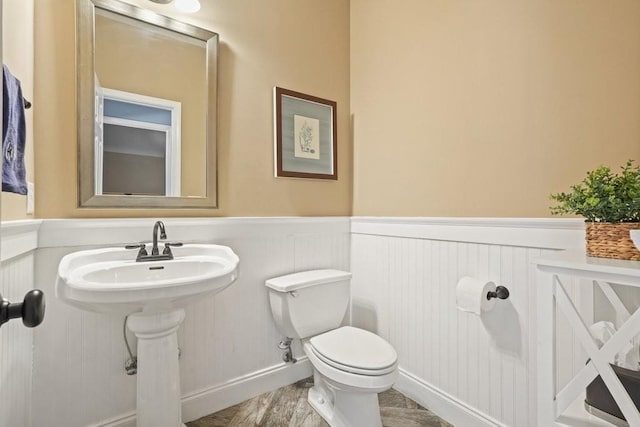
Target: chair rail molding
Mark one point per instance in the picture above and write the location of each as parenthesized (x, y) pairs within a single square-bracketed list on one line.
[(18, 238), (548, 233), (86, 232)]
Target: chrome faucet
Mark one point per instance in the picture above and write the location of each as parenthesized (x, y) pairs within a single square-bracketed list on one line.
[(155, 255)]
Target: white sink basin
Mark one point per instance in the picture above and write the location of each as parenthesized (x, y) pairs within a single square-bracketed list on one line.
[(110, 279), (152, 294)]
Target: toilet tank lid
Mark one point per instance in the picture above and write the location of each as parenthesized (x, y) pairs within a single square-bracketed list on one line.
[(304, 279)]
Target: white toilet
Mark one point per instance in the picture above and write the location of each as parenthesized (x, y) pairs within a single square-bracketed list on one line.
[(350, 365)]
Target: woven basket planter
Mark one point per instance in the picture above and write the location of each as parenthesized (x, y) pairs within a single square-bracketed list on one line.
[(611, 240)]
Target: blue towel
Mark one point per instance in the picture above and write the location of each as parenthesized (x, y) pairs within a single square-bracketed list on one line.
[(13, 135)]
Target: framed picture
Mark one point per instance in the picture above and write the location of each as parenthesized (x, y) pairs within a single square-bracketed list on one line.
[(305, 136)]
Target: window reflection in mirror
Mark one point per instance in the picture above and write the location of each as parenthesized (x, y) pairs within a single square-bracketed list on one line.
[(126, 60), (138, 144)]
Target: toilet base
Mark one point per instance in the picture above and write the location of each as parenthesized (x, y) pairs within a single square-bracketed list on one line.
[(341, 408)]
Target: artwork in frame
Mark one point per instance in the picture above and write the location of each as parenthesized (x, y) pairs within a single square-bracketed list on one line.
[(305, 136)]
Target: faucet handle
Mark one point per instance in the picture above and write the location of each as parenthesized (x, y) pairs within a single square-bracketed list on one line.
[(141, 246), (168, 245)]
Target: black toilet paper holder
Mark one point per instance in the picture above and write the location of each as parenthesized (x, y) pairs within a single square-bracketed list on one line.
[(500, 292)]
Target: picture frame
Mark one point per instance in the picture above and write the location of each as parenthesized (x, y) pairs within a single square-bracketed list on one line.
[(305, 139)]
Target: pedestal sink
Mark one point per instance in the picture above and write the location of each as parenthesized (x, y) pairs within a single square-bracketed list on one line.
[(153, 294)]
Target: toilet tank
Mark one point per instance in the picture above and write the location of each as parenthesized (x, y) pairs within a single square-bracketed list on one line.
[(310, 302)]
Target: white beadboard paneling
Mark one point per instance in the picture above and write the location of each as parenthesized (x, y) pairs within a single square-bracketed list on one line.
[(532, 276), (472, 370), (15, 346), (225, 337), (405, 271), (316, 251)]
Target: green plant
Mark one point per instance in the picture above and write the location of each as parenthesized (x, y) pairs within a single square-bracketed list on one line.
[(603, 196)]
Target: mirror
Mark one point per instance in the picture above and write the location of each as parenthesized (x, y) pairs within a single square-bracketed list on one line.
[(146, 109)]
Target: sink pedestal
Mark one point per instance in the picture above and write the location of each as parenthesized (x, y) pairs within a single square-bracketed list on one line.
[(158, 388)]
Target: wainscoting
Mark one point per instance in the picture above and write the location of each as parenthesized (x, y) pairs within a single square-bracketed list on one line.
[(19, 240), (16, 343), (470, 370), (229, 342)]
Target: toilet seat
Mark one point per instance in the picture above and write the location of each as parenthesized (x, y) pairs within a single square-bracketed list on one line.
[(355, 350), (345, 380)]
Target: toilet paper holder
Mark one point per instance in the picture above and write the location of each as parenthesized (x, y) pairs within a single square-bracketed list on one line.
[(500, 292)]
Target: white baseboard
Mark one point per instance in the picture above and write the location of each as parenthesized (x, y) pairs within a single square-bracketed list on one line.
[(213, 399), (125, 420), (216, 398), (441, 403)]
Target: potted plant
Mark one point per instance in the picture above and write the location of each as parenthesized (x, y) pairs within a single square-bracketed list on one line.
[(610, 204)]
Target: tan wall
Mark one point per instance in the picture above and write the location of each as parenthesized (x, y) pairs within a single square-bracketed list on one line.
[(465, 108), (299, 45), (17, 54), (127, 59)]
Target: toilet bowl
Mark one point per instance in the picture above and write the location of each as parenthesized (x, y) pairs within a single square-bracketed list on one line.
[(347, 382), (350, 365)]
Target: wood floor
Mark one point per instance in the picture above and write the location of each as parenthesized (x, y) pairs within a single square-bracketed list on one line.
[(288, 407)]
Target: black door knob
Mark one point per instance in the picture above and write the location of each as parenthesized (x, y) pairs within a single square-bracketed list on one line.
[(31, 309)]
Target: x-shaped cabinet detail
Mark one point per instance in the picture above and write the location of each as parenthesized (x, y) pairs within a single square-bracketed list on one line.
[(551, 294)]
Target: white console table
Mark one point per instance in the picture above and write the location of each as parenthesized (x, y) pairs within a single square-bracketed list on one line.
[(552, 293)]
